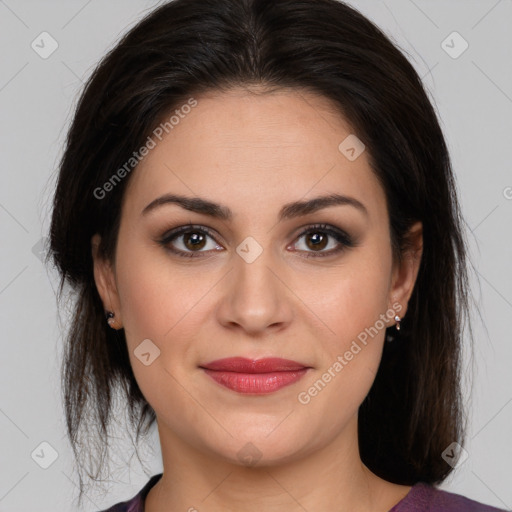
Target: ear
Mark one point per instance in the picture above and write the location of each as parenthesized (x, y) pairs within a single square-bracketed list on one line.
[(406, 271), (104, 277)]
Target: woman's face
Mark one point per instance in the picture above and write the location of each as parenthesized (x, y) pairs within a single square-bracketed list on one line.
[(260, 283)]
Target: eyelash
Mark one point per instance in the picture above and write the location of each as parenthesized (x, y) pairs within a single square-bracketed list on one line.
[(340, 236)]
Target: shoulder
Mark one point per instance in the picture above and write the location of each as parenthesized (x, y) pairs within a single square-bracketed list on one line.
[(425, 497), (135, 504)]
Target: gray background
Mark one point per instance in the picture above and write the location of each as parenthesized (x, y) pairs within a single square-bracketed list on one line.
[(473, 94)]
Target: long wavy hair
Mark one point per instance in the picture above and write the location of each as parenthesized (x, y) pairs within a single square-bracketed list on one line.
[(182, 48)]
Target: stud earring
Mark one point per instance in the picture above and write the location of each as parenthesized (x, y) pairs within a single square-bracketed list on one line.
[(397, 320), (110, 318)]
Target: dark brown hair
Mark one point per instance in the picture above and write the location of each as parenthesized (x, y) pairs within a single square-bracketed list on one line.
[(185, 47)]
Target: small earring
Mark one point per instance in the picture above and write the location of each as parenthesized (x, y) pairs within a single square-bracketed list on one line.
[(110, 319), (397, 320)]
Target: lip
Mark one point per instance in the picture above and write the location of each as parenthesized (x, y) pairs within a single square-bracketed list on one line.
[(255, 376), (244, 365)]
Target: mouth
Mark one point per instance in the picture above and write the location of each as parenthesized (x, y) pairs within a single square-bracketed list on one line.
[(255, 376)]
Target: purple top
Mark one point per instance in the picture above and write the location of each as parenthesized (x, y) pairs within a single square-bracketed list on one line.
[(421, 498)]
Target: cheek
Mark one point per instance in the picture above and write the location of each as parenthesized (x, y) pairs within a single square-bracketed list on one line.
[(351, 305), (350, 358), (144, 300), (153, 294), (353, 299), (152, 304), (162, 302)]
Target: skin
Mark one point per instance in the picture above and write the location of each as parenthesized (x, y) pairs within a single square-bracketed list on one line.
[(253, 154)]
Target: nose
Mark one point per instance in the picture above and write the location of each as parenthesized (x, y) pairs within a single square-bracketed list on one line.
[(256, 299)]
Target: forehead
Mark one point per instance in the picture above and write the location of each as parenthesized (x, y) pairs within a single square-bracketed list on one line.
[(255, 149)]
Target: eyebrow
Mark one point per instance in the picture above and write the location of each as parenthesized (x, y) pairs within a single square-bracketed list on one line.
[(288, 211)]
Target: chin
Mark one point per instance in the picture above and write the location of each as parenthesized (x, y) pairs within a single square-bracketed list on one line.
[(262, 450)]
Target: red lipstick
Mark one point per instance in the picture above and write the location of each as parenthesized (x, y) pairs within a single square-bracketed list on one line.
[(255, 376)]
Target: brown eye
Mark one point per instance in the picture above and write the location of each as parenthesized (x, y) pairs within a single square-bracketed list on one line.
[(316, 241), (189, 241), (194, 240), (319, 237)]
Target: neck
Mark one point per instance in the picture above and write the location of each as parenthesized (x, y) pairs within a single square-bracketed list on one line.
[(332, 477)]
